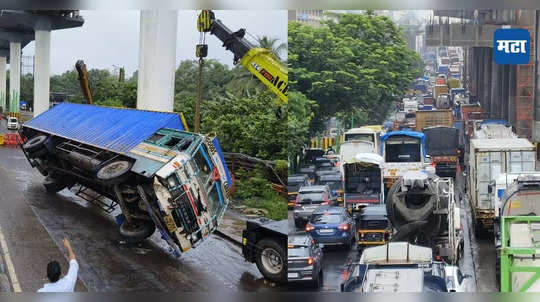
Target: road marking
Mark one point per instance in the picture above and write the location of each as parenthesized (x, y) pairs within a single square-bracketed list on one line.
[(9, 263)]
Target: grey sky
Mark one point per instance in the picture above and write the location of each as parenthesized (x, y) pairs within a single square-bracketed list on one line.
[(112, 38)]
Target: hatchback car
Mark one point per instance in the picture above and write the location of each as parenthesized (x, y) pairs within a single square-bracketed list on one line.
[(308, 200), (332, 226), (12, 123), (294, 183), (304, 260)]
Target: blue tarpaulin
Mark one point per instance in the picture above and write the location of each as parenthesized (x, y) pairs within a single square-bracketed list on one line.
[(114, 129), (416, 134)]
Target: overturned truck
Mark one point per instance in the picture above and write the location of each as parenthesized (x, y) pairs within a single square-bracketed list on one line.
[(142, 161)]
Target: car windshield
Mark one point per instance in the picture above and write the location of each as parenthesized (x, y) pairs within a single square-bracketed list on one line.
[(326, 218), (12, 120), (311, 197), (293, 185), (298, 251)]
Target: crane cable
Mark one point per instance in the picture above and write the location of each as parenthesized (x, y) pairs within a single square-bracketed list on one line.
[(204, 22)]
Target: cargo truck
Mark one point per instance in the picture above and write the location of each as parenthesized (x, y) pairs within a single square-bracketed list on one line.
[(517, 237), (488, 158), (470, 113), (362, 181), (430, 118), (440, 89), (160, 176), (403, 151), (442, 144)]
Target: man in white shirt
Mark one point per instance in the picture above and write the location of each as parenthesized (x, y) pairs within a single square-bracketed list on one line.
[(66, 284)]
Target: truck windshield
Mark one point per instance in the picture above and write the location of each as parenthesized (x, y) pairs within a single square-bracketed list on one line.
[(403, 150), (359, 137)]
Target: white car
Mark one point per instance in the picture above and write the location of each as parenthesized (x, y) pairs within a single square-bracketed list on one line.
[(456, 281), (12, 123)]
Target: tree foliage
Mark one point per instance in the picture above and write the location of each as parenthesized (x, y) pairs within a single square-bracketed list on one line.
[(361, 63)]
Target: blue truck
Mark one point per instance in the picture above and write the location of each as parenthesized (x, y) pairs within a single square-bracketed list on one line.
[(144, 162)]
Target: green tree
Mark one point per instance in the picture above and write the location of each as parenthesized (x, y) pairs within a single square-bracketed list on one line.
[(300, 113), (273, 45), (361, 62)]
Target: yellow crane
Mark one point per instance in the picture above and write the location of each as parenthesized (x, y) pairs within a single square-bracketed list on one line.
[(259, 61)]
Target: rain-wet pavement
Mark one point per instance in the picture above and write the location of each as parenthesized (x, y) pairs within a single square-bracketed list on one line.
[(478, 260), (35, 222)]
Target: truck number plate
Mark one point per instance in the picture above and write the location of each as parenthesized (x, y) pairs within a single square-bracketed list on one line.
[(292, 275)]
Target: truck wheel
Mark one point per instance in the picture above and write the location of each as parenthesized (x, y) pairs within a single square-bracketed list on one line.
[(35, 143), (137, 230), (38, 153), (270, 260), (114, 172), (54, 185)]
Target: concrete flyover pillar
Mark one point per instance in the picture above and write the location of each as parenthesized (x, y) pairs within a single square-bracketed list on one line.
[(3, 102), (14, 77), (42, 68), (157, 52)]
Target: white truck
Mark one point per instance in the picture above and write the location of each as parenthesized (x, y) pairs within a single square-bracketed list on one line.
[(488, 158)]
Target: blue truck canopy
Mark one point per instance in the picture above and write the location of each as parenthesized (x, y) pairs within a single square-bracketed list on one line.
[(416, 134), (114, 129)]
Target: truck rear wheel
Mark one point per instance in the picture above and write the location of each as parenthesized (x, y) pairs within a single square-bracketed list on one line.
[(114, 172), (137, 231), (270, 260)]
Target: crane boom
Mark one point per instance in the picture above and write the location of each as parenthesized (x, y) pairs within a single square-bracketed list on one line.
[(83, 81), (259, 61)]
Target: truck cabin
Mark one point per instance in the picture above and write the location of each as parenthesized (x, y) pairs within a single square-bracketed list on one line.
[(363, 183), (395, 267), (362, 134), (402, 147)]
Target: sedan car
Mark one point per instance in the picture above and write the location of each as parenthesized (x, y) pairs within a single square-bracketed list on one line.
[(304, 259), (308, 200), (294, 183), (332, 226), (12, 123)]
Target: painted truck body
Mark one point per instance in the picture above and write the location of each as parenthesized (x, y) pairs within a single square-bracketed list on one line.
[(430, 118), (488, 158)]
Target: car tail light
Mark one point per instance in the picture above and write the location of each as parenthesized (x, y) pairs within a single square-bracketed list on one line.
[(309, 227), (310, 261), (343, 227)]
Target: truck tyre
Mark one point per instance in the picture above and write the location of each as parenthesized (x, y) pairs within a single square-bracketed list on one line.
[(38, 153), (54, 185), (114, 172), (35, 143), (270, 260), (137, 231)]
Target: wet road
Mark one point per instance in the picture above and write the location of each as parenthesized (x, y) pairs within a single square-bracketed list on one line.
[(478, 260), (35, 223)]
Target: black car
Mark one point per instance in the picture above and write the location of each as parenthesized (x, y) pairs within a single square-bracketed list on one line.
[(294, 183), (305, 260), (309, 170), (318, 175)]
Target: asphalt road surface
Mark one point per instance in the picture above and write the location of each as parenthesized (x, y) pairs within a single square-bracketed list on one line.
[(34, 224)]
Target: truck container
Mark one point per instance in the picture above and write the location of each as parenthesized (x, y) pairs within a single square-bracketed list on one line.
[(488, 158), (442, 144), (160, 176), (440, 89), (492, 128), (443, 101), (429, 118)]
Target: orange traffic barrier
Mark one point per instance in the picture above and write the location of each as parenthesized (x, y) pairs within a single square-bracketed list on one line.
[(12, 139)]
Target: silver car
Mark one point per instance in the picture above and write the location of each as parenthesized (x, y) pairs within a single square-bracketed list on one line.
[(308, 200)]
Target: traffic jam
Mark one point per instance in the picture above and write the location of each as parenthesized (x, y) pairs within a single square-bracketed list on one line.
[(418, 203)]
